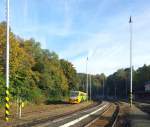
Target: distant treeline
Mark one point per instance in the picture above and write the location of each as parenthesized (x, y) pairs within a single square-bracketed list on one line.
[(121, 81), (117, 84)]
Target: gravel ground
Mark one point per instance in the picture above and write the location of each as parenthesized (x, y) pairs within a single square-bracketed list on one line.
[(34, 112)]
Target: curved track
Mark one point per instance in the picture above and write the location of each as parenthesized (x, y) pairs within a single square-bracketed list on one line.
[(77, 119)]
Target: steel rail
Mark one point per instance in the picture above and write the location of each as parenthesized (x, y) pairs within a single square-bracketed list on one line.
[(112, 122), (115, 116), (94, 120)]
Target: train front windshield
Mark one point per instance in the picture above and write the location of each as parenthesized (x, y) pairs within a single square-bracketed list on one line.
[(74, 94)]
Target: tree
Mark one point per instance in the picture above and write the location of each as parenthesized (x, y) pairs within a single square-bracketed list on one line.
[(70, 73), (142, 75)]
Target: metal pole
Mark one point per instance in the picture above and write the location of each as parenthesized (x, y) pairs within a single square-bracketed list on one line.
[(130, 24), (7, 106), (90, 88), (107, 92), (103, 88), (115, 91), (7, 47), (17, 104), (126, 87), (87, 77), (20, 106)]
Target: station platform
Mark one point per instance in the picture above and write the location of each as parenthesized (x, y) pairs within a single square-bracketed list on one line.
[(138, 118)]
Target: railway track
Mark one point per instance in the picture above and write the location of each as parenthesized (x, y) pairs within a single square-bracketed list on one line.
[(102, 115), (53, 118), (108, 118), (74, 119)]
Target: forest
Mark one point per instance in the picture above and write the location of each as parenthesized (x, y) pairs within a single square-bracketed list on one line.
[(120, 81), (38, 75)]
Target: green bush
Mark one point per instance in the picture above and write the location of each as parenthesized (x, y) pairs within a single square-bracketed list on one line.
[(35, 96)]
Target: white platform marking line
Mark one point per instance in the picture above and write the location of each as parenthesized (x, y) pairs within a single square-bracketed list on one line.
[(92, 108), (81, 118), (61, 119)]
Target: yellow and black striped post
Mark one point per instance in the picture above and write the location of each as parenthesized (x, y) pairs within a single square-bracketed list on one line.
[(7, 105)]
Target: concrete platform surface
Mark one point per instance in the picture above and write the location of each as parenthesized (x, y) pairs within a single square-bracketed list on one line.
[(139, 118)]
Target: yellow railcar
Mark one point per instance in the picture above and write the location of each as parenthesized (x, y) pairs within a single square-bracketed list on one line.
[(77, 97)]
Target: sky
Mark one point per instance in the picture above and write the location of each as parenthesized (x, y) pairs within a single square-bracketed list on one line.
[(77, 29)]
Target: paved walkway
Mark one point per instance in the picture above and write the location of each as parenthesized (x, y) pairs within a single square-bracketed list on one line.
[(139, 118)]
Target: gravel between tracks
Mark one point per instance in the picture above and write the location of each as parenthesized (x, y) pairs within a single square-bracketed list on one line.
[(105, 118)]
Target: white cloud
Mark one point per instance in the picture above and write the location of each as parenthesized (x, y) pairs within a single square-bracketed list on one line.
[(103, 60), (110, 51), (92, 42)]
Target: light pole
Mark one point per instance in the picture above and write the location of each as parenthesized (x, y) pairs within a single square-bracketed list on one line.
[(115, 91), (130, 25), (126, 88), (87, 77), (103, 88), (90, 88), (90, 83), (7, 106)]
